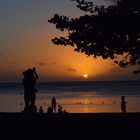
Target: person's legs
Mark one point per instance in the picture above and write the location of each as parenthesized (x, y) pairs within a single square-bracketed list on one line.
[(33, 97), (26, 100)]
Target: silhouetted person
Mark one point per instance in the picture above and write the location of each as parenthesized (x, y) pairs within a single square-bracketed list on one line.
[(34, 77), (26, 89), (29, 81), (50, 110), (32, 109), (41, 109), (60, 109), (54, 105), (65, 111), (123, 104)]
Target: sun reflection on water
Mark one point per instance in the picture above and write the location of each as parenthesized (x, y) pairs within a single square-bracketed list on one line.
[(78, 104)]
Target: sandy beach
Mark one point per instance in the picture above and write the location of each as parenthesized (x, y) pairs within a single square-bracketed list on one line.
[(78, 125)]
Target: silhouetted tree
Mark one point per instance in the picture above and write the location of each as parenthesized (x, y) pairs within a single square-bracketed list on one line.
[(106, 32)]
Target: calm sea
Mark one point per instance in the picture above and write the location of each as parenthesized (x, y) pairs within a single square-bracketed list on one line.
[(77, 97)]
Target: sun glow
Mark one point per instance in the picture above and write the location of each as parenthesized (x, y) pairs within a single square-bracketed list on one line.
[(85, 76)]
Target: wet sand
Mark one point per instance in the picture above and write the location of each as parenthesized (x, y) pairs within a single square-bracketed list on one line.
[(72, 125)]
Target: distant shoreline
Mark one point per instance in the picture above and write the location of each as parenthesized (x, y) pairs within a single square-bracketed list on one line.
[(56, 82)]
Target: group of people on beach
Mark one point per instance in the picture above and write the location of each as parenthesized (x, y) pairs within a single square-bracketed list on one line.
[(29, 82), (52, 108)]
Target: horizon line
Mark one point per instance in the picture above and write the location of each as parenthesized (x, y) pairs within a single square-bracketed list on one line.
[(75, 81)]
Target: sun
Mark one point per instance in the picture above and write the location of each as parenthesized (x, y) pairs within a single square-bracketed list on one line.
[(85, 76)]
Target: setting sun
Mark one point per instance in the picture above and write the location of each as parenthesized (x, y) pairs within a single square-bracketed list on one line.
[(85, 76)]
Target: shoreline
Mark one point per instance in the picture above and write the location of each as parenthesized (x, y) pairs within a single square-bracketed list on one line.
[(72, 125), (65, 117), (107, 114)]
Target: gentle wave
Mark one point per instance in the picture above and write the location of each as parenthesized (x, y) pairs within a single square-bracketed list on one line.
[(102, 87)]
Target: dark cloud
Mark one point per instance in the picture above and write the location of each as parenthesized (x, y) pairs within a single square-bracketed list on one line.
[(46, 64), (41, 64), (53, 63), (13, 62), (1, 53), (136, 71), (71, 70)]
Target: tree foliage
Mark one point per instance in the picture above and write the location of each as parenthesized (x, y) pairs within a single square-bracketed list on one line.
[(106, 32)]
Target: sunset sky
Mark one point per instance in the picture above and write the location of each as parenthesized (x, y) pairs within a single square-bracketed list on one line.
[(25, 42)]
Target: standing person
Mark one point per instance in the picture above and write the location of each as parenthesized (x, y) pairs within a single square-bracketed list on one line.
[(26, 84), (49, 110), (41, 110), (34, 77), (29, 81), (123, 104), (60, 109), (54, 105)]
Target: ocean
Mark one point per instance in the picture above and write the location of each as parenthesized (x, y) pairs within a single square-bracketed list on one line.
[(75, 97)]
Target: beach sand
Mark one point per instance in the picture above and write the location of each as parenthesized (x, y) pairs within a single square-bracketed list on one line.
[(71, 125)]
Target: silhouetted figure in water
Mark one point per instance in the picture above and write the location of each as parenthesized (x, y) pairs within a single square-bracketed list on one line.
[(41, 110), (123, 104), (54, 105), (29, 81)]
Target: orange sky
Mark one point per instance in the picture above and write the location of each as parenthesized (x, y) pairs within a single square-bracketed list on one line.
[(25, 42)]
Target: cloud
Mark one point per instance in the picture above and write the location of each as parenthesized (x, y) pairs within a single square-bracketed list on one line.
[(1, 53), (41, 64), (71, 70), (46, 64), (13, 62), (53, 63)]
